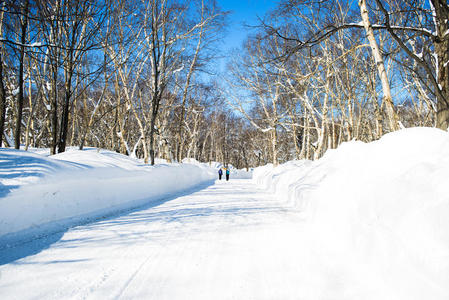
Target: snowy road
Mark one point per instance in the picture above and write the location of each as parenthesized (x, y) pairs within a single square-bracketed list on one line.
[(230, 240)]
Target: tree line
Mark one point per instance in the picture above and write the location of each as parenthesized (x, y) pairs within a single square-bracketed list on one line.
[(135, 77), (122, 75), (314, 74)]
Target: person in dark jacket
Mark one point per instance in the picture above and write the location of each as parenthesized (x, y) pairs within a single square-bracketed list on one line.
[(227, 174), (220, 173)]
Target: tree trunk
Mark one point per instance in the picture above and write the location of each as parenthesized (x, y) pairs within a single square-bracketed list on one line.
[(2, 86), (30, 127), (65, 109), (54, 109), (152, 123), (388, 100), (184, 98), (157, 59), (2, 99), (20, 99), (441, 18), (274, 146), (295, 140), (154, 108)]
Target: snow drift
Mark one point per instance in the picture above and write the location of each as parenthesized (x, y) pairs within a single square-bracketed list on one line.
[(377, 213), (43, 194)]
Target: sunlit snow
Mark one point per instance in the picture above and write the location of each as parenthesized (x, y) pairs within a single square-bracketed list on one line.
[(366, 221)]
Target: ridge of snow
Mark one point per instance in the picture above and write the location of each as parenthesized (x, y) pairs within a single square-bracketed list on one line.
[(40, 194), (380, 209)]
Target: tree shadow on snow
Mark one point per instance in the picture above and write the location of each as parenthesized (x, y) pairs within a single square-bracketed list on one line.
[(17, 165), (30, 242), (179, 220), (10, 254)]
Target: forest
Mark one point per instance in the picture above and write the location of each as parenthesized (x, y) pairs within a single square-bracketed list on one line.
[(141, 77)]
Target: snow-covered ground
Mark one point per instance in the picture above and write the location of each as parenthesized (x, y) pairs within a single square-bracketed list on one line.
[(380, 211), (367, 221), (227, 241), (40, 194)]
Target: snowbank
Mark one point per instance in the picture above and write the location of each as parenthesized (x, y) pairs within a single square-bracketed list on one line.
[(40, 194), (377, 213)]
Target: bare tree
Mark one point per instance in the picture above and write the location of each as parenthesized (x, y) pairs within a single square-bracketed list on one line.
[(208, 24), (380, 66), (50, 15), (435, 43), (80, 23), (2, 85), (264, 83), (23, 18)]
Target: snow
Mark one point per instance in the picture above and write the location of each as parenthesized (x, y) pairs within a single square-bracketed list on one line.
[(42, 194), (356, 24), (36, 44), (379, 211), (225, 241), (15, 92), (267, 129), (366, 221)]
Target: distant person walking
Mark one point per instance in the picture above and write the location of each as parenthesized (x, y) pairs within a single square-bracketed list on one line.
[(220, 173), (227, 174)]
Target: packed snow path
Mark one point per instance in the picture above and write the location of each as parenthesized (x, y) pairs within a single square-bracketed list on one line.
[(230, 240)]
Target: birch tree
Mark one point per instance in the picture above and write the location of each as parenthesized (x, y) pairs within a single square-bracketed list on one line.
[(433, 55), (210, 20), (261, 107), (81, 22), (388, 99)]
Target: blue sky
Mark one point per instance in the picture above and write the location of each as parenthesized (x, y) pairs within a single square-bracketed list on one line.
[(242, 11)]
